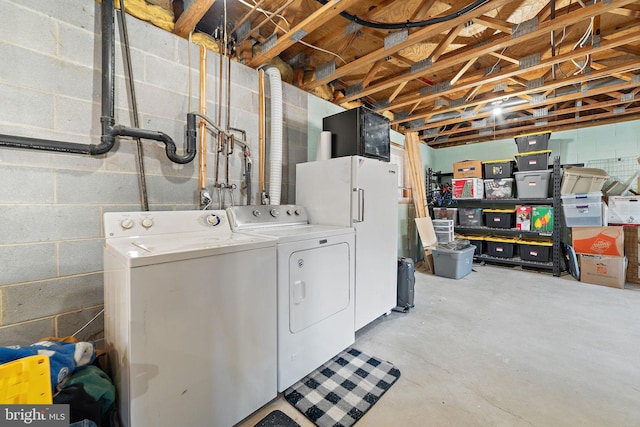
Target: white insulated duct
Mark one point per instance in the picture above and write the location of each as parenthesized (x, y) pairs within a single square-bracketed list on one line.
[(275, 142)]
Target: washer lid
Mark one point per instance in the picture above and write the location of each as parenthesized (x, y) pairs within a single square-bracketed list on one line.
[(147, 250), (300, 232)]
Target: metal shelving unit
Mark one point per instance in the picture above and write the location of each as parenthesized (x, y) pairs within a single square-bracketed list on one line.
[(555, 235)]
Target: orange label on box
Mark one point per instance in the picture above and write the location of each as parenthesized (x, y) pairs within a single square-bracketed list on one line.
[(598, 240)]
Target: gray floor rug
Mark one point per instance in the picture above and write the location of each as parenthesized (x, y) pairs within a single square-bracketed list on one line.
[(341, 391)]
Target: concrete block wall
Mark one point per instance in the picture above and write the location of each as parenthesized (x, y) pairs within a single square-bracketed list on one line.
[(51, 204)]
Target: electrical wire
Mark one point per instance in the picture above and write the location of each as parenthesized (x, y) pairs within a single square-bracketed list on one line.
[(88, 323), (266, 13), (270, 15), (409, 24), (583, 40)]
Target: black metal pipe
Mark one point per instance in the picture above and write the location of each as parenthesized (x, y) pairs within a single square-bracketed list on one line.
[(43, 144), (109, 130), (247, 178)]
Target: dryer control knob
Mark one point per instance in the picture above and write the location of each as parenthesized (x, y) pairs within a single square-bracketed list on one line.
[(213, 219), (297, 211), (289, 211), (126, 223), (147, 222), (274, 212), (256, 212)]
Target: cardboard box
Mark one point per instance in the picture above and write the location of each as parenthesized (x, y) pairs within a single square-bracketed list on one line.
[(467, 188), (542, 218), (603, 270), (631, 250), (598, 240), (467, 169), (624, 210), (523, 218)]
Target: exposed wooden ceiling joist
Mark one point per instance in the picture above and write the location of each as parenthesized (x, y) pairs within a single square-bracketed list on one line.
[(315, 20), (191, 16), (464, 60)]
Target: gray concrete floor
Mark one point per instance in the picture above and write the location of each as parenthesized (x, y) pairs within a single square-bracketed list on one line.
[(505, 347)]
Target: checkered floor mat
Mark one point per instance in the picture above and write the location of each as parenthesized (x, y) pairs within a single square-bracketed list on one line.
[(341, 391)]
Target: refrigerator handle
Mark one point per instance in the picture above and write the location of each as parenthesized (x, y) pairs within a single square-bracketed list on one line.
[(360, 202)]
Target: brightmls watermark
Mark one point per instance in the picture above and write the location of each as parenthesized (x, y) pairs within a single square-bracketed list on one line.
[(34, 415)]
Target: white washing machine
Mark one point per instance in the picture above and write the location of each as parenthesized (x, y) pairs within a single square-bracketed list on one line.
[(190, 318), (316, 278)]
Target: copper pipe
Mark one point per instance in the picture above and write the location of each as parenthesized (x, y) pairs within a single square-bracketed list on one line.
[(261, 121), (203, 126)]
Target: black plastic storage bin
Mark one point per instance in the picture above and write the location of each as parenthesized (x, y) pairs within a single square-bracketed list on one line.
[(494, 169), (533, 141), (406, 284), (478, 242), (533, 161), (500, 218), (501, 248), (535, 251)]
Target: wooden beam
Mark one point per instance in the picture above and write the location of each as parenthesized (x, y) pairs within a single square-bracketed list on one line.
[(416, 37), (444, 44), (286, 4), (247, 15), (422, 9), (480, 78), (317, 19), (190, 17), (462, 71), (397, 91), (372, 72), (626, 12), (621, 76), (455, 59), (496, 24), (525, 107), (555, 126), (552, 85), (505, 57)]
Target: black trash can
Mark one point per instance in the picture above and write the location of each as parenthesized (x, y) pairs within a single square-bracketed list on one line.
[(406, 284)]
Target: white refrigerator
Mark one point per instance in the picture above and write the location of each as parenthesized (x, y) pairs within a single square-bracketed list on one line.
[(362, 193)]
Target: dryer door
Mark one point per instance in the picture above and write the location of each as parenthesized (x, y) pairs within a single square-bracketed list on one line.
[(319, 284)]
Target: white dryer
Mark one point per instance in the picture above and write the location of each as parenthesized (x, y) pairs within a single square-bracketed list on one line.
[(190, 318), (315, 281)]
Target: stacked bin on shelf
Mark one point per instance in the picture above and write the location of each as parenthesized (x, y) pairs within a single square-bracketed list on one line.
[(599, 248), (533, 181), (498, 179)]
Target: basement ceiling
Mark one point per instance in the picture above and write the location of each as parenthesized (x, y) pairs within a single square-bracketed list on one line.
[(444, 68)]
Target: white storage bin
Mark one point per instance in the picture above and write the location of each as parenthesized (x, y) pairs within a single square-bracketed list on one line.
[(582, 214), (581, 198)]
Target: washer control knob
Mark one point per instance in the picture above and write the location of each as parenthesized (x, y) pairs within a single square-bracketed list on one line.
[(126, 223), (297, 211), (289, 211), (274, 212), (213, 220), (147, 222), (256, 212)]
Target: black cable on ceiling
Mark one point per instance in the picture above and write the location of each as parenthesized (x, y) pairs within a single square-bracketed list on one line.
[(409, 24)]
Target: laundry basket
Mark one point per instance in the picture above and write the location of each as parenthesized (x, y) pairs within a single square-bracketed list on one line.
[(26, 381)]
